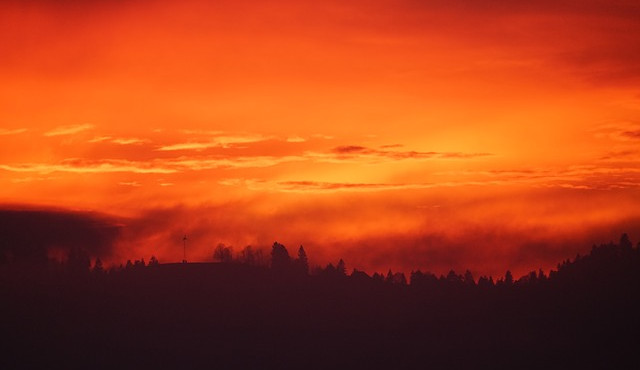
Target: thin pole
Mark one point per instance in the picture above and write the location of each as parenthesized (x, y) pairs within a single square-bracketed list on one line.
[(184, 249)]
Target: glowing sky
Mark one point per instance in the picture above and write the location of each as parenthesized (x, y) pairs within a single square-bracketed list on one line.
[(402, 134)]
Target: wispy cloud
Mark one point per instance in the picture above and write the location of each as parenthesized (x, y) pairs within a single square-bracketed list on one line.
[(625, 131), (130, 183), (28, 179), (359, 154), (216, 142), (206, 163), (322, 136), (577, 177), (296, 139), (621, 156), (129, 140), (118, 140), (158, 166), (315, 186), (307, 186), (4, 131), (68, 130), (75, 165), (99, 139), (633, 134)]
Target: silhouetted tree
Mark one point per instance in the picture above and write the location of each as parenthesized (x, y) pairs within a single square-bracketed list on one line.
[(153, 261), (378, 277), (359, 276), (248, 256), (423, 279), (541, 275), (222, 253), (468, 278), (389, 277), (453, 278), (280, 259), (485, 282), (139, 264), (97, 266), (330, 269), (625, 242), (260, 258), (302, 262), (508, 278), (399, 278), (341, 268)]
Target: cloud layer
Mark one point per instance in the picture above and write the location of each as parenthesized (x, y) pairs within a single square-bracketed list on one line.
[(33, 235)]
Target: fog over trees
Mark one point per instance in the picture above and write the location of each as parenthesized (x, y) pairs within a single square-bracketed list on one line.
[(253, 309)]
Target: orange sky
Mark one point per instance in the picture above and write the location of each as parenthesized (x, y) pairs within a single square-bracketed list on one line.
[(402, 134)]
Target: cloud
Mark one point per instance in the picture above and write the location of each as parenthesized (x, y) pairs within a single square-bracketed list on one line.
[(322, 136), (349, 152), (601, 177), (621, 155), (31, 179), (68, 130), (216, 142), (30, 234), (76, 165), (121, 141), (127, 141), (635, 134), (308, 186), (296, 139), (315, 186), (622, 131), (4, 131), (348, 149), (154, 166), (206, 163), (99, 139)]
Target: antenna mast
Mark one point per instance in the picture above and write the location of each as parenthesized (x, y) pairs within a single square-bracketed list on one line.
[(184, 249)]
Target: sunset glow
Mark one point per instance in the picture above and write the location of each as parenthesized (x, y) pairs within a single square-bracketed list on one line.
[(393, 134)]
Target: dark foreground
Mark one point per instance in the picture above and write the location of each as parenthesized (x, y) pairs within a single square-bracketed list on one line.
[(585, 315)]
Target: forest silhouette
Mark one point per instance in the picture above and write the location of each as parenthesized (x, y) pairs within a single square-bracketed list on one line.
[(253, 310)]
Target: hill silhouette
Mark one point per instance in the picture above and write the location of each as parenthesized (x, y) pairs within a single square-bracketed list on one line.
[(243, 314)]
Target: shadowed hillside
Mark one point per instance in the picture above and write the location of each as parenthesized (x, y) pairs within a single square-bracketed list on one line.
[(245, 315)]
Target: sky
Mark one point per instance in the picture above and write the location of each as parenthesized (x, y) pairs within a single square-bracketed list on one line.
[(433, 135)]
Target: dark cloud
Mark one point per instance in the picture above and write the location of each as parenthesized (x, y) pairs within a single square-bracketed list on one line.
[(347, 149), (29, 234), (632, 134)]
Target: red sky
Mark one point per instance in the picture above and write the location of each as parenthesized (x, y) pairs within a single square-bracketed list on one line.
[(396, 134)]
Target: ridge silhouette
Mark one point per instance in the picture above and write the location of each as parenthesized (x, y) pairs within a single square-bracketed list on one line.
[(244, 313)]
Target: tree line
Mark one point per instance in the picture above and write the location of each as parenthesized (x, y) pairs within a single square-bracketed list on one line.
[(606, 257)]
